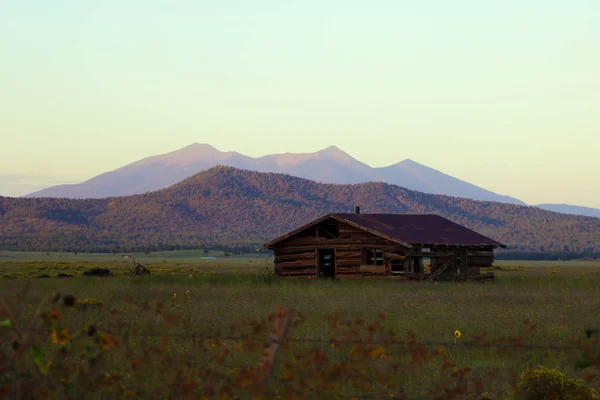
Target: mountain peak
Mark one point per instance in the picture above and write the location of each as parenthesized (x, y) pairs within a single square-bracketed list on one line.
[(196, 144), (199, 147), (412, 166), (185, 155), (408, 161), (336, 153), (196, 151), (332, 148)]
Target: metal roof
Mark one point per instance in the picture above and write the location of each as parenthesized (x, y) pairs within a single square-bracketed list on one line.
[(406, 229), (421, 229)]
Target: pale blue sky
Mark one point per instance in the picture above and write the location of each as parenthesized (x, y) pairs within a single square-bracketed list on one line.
[(503, 94)]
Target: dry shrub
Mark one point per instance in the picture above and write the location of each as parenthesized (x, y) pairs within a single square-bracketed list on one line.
[(541, 383), (90, 303)]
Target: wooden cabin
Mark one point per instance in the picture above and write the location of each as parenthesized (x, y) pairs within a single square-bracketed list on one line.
[(345, 245)]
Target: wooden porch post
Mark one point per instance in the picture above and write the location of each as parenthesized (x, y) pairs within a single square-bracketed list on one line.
[(454, 264), (464, 267)]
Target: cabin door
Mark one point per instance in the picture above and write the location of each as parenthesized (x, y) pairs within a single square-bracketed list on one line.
[(326, 263)]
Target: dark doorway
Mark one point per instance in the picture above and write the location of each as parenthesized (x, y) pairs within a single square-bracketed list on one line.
[(326, 263)]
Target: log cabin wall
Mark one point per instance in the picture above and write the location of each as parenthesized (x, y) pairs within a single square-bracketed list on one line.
[(357, 252), (448, 258), (297, 255)]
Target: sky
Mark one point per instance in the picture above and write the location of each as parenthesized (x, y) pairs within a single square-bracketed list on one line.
[(502, 94)]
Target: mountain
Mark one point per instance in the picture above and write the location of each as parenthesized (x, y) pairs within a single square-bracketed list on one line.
[(240, 209), (569, 209), (330, 165), (415, 176), (148, 174)]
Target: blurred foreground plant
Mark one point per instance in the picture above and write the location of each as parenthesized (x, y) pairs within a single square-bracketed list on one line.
[(165, 355)]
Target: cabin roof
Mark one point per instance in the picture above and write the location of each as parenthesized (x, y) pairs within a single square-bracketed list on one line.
[(406, 229)]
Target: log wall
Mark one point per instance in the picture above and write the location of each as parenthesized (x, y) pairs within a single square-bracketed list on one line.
[(297, 255), (477, 258)]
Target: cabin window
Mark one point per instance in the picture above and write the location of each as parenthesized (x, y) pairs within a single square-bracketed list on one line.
[(372, 257), (328, 232)]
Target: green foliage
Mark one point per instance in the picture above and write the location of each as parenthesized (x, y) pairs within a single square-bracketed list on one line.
[(234, 210), (541, 383)]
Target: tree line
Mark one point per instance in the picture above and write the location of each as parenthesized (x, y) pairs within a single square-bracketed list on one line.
[(234, 210)]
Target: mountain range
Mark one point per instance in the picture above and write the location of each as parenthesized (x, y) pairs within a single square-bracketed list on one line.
[(330, 165), (225, 207)]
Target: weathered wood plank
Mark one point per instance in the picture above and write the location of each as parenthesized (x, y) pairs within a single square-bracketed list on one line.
[(348, 254), (349, 270), (438, 271), (295, 266), (377, 269), (290, 264), (347, 263), (298, 268), (299, 241), (345, 246), (284, 250), (394, 256), (429, 254), (371, 240), (348, 228), (292, 257)]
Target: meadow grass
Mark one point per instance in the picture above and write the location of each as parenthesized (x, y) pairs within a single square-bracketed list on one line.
[(547, 304)]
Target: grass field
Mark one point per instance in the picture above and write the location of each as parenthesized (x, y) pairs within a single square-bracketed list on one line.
[(529, 315)]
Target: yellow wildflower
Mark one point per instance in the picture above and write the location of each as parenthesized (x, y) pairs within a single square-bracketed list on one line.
[(60, 337), (187, 292), (457, 334), (378, 352), (174, 295)]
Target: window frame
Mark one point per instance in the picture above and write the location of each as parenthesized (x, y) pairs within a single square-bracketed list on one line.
[(373, 257)]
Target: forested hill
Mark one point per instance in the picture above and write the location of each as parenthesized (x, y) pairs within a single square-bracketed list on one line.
[(231, 208)]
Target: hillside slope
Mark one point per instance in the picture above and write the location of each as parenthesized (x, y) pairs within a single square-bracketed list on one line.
[(225, 206), (330, 165), (569, 209)]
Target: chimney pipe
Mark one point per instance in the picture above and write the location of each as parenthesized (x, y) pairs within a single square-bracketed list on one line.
[(357, 210)]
